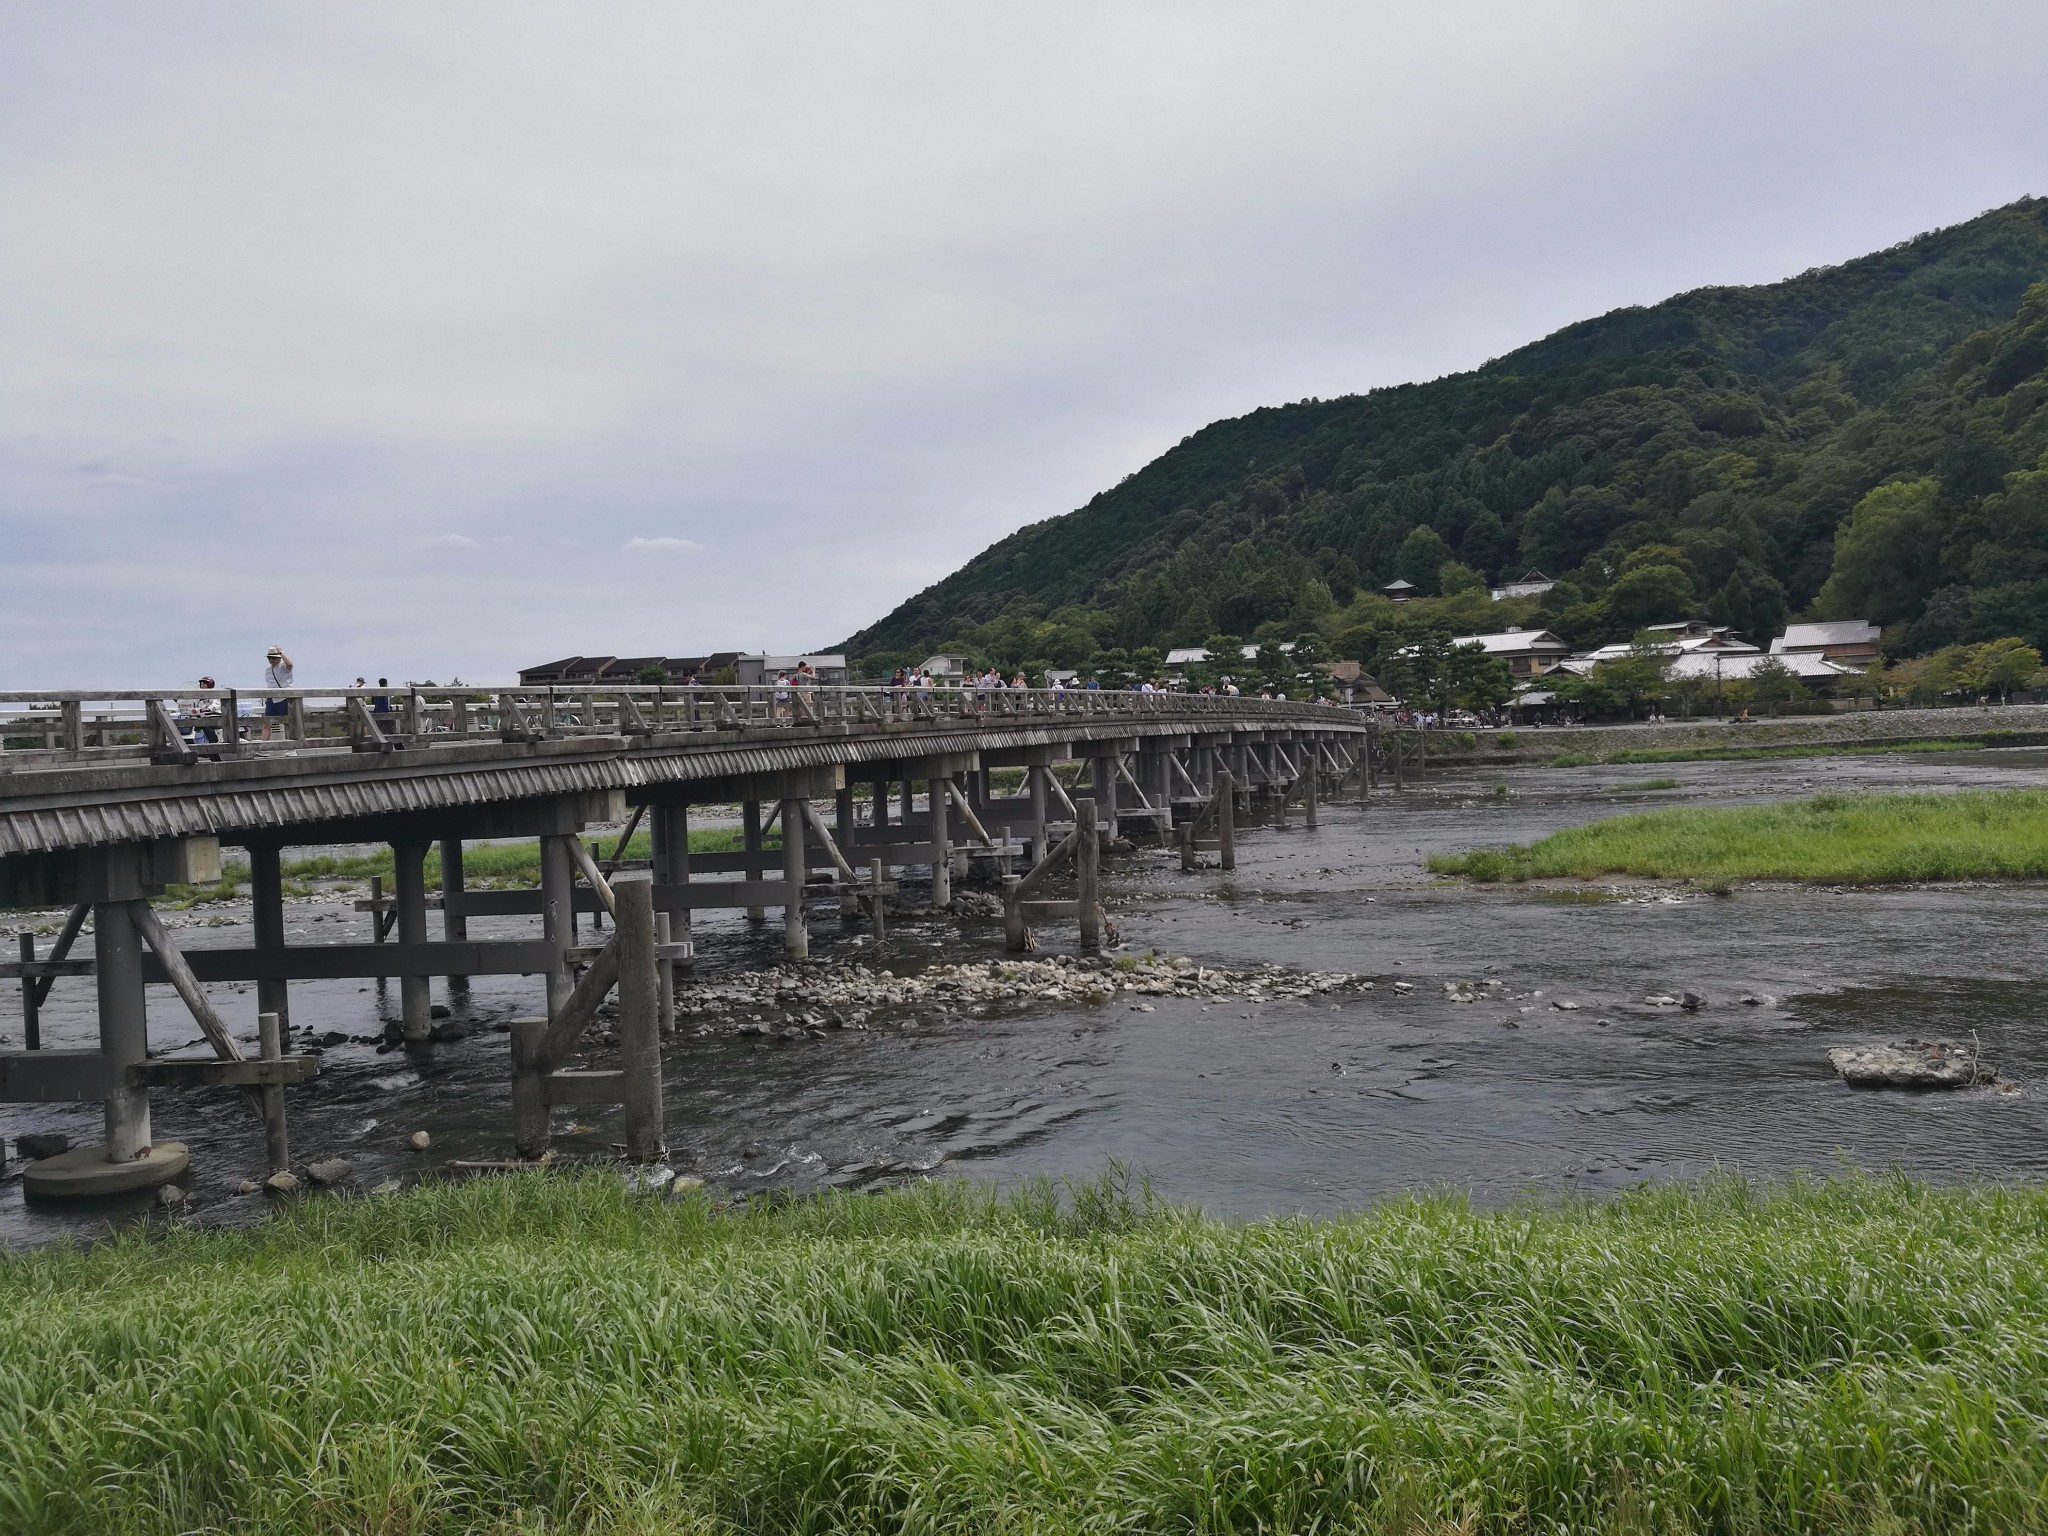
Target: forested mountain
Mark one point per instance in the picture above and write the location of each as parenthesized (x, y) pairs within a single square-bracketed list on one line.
[(1867, 440)]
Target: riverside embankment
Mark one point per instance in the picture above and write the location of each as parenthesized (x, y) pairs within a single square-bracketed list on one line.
[(2014, 725)]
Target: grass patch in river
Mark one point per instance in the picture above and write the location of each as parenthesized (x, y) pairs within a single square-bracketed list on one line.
[(1839, 839), (484, 865), (548, 1353), (1746, 754)]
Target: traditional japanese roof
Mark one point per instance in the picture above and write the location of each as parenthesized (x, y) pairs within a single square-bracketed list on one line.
[(1516, 642), (1813, 637)]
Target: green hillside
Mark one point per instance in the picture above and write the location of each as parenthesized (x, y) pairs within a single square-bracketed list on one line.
[(1865, 440)]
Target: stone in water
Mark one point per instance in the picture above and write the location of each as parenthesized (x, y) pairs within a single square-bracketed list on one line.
[(1908, 1064)]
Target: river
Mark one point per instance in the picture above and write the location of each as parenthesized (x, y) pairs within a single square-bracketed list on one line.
[(1257, 1107)]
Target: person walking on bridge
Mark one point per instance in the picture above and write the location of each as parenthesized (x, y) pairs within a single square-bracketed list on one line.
[(277, 675)]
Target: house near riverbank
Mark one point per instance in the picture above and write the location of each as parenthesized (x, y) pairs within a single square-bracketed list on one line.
[(1846, 642), (1528, 652), (1356, 686), (1692, 637), (1812, 670)]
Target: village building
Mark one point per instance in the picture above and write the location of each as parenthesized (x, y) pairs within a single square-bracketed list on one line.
[(1528, 652), (1356, 686), (946, 666), (575, 671), (753, 671), (1687, 638), (1847, 642), (1532, 584), (566, 672), (1723, 666)]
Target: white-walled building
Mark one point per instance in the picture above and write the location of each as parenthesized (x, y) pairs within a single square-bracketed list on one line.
[(1528, 652), (1849, 642)]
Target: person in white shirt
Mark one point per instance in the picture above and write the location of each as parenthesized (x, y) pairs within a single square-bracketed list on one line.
[(276, 675)]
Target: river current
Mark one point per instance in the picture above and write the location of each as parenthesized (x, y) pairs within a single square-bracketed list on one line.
[(1254, 1107)]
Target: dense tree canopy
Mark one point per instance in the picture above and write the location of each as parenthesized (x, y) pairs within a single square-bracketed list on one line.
[(1868, 440)]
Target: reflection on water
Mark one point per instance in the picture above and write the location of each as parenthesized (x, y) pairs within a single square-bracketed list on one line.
[(1275, 1105)]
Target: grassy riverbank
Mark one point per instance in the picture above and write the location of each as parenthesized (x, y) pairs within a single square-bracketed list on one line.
[(549, 1353), (1864, 839)]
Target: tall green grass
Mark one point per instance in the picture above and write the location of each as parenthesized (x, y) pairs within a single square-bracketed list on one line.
[(551, 1354), (1868, 839)]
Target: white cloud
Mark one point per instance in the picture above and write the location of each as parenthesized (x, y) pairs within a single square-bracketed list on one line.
[(663, 544), (448, 541)]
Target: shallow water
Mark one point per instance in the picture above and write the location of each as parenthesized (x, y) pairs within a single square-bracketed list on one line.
[(1277, 1105)]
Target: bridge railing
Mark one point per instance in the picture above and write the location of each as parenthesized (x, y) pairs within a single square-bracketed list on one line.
[(44, 728)]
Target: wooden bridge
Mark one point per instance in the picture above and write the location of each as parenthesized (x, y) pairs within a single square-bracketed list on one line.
[(108, 797)]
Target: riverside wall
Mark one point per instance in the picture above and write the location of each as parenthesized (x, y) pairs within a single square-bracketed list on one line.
[(2011, 725)]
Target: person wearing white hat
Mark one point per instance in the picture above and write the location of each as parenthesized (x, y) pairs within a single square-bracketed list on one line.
[(277, 675)]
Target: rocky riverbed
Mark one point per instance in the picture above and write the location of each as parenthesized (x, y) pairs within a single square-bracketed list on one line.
[(795, 1000)]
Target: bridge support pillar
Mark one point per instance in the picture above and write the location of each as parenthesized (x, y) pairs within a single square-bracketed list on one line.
[(266, 921), (796, 942), (1311, 783), (557, 896), (124, 1026), (1102, 785), (414, 992), (530, 1114), (842, 829), (750, 840), (942, 849), (640, 1014), (454, 926), (669, 840), (1088, 873), (1041, 811)]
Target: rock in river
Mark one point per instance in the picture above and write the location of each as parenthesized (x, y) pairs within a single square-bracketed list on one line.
[(1908, 1064)]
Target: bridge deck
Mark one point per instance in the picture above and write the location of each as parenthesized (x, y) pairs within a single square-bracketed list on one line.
[(80, 767)]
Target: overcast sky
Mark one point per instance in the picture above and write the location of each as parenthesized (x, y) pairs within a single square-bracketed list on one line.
[(438, 338)]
